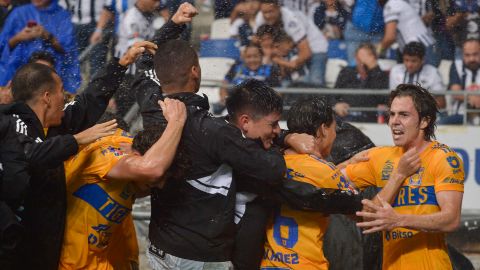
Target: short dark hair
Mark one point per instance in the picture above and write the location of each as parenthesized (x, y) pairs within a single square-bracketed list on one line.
[(30, 79), (42, 55), (266, 29), (308, 115), (274, 2), (107, 116), (414, 49), (281, 36), (368, 46), (424, 103), (253, 97), (468, 40), (173, 61)]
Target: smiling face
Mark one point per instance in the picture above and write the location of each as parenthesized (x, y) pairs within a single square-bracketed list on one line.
[(265, 128), (252, 58), (405, 125), (271, 13)]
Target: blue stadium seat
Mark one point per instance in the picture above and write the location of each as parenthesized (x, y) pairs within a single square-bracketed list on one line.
[(220, 48), (337, 49)]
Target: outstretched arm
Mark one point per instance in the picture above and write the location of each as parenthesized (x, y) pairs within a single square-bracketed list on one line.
[(156, 161)]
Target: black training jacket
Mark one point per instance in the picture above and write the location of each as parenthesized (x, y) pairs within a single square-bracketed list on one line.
[(45, 202)]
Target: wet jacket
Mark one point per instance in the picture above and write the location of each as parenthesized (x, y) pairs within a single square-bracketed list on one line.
[(45, 202)]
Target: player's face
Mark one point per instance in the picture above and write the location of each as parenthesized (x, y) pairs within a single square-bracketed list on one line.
[(412, 63), (265, 129), (471, 55), (404, 123), (282, 48), (150, 5), (55, 104), (253, 58), (271, 13), (41, 3), (325, 137)]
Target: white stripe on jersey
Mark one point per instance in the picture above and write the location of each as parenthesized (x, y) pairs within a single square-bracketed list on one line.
[(217, 183)]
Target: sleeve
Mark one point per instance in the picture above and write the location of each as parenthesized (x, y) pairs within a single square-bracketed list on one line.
[(377, 78), (89, 106), (449, 172), (109, 5), (247, 156), (102, 160), (169, 30), (437, 83), (362, 174), (14, 176), (295, 29), (391, 12), (231, 73), (453, 77)]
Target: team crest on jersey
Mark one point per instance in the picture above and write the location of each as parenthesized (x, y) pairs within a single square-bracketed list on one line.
[(454, 163), (387, 170), (416, 179), (114, 150), (291, 174)]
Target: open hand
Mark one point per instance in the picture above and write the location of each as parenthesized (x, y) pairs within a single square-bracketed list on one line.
[(96, 132)]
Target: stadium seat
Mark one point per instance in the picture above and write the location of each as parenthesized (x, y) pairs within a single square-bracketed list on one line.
[(214, 69), (220, 48), (337, 49), (444, 69), (334, 66), (386, 64), (220, 29)]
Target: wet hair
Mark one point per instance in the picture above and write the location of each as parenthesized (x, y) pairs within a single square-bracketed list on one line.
[(173, 61), (274, 2), (30, 79), (266, 29), (281, 36), (255, 98), (414, 49), (368, 46), (42, 55), (424, 103), (107, 116), (308, 115), (146, 138)]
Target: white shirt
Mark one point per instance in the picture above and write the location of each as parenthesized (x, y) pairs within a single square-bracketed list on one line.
[(298, 27), (410, 26), (83, 11), (471, 84), (135, 26), (428, 77)]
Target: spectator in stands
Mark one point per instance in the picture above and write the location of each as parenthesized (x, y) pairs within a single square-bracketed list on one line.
[(250, 67), (242, 20), (308, 38), (307, 7), (468, 25), (41, 25), (331, 17), (365, 75), (403, 25), (264, 39), (290, 60), (85, 15), (5, 9), (464, 75), (413, 70), (445, 18), (223, 8), (366, 25)]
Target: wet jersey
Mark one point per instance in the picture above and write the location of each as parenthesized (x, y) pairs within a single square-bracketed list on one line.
[(441, 170), (295, 238), (99, 230)]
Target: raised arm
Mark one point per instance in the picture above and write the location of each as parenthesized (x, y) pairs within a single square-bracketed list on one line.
[(155, 162)]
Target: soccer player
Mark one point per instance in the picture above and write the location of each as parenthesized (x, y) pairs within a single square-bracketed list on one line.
[(429, 202), (100, 185)]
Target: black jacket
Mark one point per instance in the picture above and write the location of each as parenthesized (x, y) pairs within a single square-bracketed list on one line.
[(45, 203)]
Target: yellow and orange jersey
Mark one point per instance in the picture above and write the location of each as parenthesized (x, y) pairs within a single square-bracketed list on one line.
[(441, 170), (99, 231), (295, 238)]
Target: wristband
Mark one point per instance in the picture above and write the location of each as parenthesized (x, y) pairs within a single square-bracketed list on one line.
[(98, 30)]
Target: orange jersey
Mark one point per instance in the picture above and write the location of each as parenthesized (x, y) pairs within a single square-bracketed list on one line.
[(99, 230), (295, 238), (441, 170)]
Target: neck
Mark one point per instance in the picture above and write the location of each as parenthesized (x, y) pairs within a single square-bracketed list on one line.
[(174, 88), (419, 144), (39, 111), (141, 7)]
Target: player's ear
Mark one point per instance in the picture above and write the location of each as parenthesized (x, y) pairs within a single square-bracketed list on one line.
[(424, 122), (322, 131), (244, 122)]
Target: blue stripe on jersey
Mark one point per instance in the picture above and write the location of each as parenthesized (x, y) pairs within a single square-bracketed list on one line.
[(99, 199), (410, 196)]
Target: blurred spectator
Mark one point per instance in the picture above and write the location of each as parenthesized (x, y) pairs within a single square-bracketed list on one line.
[(5, 9), (331, 18), (366, 25), (445, 18), (365, 75), (403, 25), (310, 41), (284, 54), (251, 67), (85, 15), (223, 8), (42, 25), (307, 7), (243, 20), (413, 70), (264, 38), (464, 75), (469, 23)]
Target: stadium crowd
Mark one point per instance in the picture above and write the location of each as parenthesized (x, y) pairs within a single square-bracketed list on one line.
[(232, 191)]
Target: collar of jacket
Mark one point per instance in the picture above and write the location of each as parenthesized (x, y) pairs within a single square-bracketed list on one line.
[(25, 113), (191, 99)]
